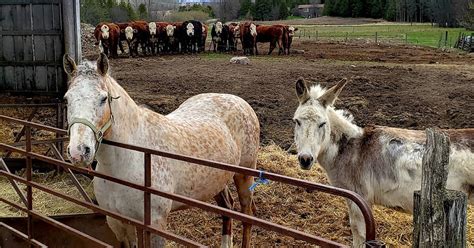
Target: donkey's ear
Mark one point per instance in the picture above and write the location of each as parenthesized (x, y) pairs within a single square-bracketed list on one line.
[(331, 95), (69, 65), (302, 90), (103, 64)]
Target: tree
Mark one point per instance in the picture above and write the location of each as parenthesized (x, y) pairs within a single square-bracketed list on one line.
[(263, 9), (142, 12), (390, 11), (284, 13), (245, 8), (359, 8), (132, 15), (329, 8), (92, 12)]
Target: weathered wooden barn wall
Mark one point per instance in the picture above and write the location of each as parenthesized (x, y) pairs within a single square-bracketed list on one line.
[(33, 39)]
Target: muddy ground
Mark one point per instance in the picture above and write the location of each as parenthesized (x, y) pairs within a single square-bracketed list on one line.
[(399, 86)]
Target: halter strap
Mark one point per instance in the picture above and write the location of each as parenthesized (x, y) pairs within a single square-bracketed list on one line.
[(98, 132)]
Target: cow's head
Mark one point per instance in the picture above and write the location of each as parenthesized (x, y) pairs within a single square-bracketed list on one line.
[(190, 29), (129, 31), (219, 27), (152, 28), (237, 31), (291, 31), (253, 29), (105, 31), (170, 30)]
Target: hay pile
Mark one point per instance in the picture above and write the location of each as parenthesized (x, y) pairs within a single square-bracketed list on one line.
[(315, 213)]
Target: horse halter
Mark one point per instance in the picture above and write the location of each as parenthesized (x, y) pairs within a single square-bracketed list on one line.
[(98, 132)]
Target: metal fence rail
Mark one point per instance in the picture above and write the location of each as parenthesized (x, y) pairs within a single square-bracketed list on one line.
[(144, 226)]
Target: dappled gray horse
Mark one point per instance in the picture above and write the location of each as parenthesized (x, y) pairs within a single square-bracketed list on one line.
[(216, 127)]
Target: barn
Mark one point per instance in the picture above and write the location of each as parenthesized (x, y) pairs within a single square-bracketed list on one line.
[(34, 35)]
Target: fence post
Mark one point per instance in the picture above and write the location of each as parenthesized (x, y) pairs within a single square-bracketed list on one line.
[(317, 34), (376, 37), (446, 40), (347, 34), (439, 215), (406, 38)]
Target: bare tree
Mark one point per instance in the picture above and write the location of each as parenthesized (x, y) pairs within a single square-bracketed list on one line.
[(227, 10)]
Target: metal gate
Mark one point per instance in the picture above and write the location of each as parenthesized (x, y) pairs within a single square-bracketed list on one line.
[(34, 35)]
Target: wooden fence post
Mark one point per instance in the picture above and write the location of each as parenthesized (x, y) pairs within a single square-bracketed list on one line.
[(439, 215)]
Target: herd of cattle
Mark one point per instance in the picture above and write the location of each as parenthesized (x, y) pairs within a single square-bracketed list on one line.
[(153, 38)]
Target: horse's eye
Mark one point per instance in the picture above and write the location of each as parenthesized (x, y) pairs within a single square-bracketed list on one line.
[(322, 124), (297, 122), (103, 100)]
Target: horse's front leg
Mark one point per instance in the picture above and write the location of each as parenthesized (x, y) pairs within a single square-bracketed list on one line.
[(224, 199), (357, 223)]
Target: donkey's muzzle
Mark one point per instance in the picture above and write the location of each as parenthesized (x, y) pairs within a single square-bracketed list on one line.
[(306, 161)]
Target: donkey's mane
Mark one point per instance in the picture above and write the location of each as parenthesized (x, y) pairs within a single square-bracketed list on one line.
[(317, 91)]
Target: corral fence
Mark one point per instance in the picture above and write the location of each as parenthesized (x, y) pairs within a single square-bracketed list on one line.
[(144, 227), (376, 34)]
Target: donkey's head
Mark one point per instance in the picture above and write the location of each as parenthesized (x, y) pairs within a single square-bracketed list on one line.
[(312, 127), (88, 108)]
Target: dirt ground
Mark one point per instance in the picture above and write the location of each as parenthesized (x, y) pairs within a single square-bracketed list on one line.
[(397, 86)]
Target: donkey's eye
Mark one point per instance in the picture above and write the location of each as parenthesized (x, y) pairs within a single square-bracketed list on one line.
[(103, 100), (297, 122), (322, 124)]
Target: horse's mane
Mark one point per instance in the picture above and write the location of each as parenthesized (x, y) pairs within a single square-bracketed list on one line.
[(316, 91)]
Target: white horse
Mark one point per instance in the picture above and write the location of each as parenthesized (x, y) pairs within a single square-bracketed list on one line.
[(217, 127), (382, 164)]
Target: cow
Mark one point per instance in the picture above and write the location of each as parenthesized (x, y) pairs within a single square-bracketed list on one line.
[(175, 36), (107, 37), (272, 34), (205, 31), (153, 41), (136, 33), (122, 26), (191, 35), (248, 37), (234, 35), (288, 38), (220, 36)]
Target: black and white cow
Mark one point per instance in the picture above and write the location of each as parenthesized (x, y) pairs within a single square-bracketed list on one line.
[(191, 33)]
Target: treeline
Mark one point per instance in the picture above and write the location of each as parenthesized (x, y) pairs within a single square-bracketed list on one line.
[(95, 11), (269, 9), (447, 13)]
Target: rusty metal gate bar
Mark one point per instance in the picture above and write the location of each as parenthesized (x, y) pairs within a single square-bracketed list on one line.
[(369, 221), (22, 236)]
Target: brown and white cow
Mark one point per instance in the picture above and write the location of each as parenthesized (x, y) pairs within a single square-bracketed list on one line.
[(271, 34), (205, 31), (136, 33), (234, 35), (107, 37), (248, 37)]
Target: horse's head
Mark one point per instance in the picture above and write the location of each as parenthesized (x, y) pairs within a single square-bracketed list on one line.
[(312, 127), (88, 108)]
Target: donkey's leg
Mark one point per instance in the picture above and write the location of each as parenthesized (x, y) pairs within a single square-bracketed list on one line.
[(224, 199), (357, 224), (157, 241), (245, 198)]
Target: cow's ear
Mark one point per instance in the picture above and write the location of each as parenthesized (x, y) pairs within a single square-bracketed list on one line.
[(174, 27), (103, 64), (296, 29), (69, 65), (135, 31), (122, 31)]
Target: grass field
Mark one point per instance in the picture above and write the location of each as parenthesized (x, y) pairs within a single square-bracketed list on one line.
[(418, 34)]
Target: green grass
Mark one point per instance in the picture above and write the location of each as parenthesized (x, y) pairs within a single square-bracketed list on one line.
[(292, 17), (419, 34)]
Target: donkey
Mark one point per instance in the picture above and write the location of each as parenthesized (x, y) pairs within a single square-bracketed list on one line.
[(382, 164), (217, 127)]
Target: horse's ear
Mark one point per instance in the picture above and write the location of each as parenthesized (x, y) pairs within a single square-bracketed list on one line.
[(302, 90), (103, 64), (69, 65), (331, 95)]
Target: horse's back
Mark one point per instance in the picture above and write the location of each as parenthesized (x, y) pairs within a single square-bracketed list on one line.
[(223, 109)]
